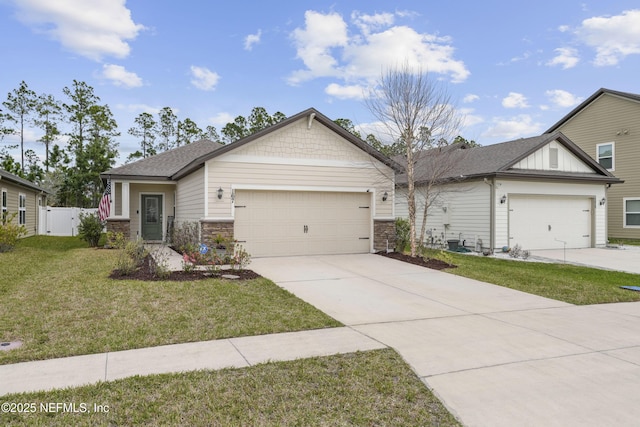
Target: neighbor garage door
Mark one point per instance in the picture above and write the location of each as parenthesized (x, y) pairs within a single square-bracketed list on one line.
[(547, 222), (276, 223)]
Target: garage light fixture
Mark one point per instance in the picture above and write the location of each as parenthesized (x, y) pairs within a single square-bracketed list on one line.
[(385, 196), (220, 191), (603, 201), (503, 199)]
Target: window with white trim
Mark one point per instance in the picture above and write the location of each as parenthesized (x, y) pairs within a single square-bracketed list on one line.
[(605, 155), (3, 215), (22, 209), (632, 212)]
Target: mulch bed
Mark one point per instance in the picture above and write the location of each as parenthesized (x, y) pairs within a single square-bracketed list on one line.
[(144, 272), (432, 263)]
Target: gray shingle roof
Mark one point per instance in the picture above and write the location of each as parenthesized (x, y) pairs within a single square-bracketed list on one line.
[(498, 159), (166, 164), (19, 181)]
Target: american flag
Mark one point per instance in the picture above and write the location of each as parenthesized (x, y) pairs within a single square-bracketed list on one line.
[(104, 208)]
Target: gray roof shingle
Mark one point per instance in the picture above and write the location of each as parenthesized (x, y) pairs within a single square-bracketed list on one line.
[(19, 181)]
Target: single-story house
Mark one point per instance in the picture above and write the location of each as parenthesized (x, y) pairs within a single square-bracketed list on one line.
[(22, 197), (540, 193), (302, 186), (607, 127)]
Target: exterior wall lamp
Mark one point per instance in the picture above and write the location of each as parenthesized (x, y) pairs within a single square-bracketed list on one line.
[(603, 201), (220, 192), (385, 196), (503, 199)]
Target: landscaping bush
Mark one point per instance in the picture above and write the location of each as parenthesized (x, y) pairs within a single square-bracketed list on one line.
[(90, 228), (10, 233), (185, 236), (402, 233), (131, 257)]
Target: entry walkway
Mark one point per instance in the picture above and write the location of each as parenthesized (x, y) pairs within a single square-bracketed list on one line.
[(226, 353)]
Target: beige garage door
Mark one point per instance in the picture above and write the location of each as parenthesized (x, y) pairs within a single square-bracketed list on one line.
[(550, 222), (277, 223)]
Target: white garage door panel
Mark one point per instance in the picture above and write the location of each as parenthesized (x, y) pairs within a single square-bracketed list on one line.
[(547, 222), (277, 223)]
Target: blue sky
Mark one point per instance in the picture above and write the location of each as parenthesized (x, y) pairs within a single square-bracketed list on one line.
[(514, 68)]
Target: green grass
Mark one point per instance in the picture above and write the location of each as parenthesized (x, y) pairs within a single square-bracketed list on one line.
[(563, 282), (57, 298), (616, 241), (364, 388)]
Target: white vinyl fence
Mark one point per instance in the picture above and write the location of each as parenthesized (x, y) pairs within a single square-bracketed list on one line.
[(61, 221)]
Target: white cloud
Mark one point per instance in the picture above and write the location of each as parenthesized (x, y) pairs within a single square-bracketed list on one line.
[(469, 98), (100, 28), (221, 119), (612, 37), (252, 39), (119, 76), (567, 57), (329, 49), (345, 91), (470, 119), (514, 127), (515, 100), (562, 98), (203, 78)]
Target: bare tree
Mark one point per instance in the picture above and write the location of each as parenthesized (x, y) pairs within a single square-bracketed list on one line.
[(417, 110)]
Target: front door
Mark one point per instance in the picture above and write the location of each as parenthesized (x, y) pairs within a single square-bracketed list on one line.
[(152, 217)]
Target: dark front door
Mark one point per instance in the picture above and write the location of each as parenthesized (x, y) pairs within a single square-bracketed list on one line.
[(152, 217)]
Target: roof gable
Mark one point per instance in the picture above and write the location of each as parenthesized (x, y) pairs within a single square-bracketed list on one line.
[(600, 92), (16, 180)]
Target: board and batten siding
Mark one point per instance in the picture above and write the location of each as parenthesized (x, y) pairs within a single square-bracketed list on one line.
[(297, 158), (510, 187), (467, 215), (190, 197), (540, 160), (605, 120)]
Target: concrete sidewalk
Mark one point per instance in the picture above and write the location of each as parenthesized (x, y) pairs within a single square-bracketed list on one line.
[(218, 354)]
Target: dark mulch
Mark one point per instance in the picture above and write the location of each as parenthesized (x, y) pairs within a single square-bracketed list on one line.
[(145, 272), (432, 263)]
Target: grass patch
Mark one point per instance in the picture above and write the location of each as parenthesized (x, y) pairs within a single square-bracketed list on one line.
[(57, 298), (631, 242), (563, 282), (364, 388)]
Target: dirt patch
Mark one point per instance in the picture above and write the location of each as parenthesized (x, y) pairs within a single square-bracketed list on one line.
[(432, 263), (145, 272)]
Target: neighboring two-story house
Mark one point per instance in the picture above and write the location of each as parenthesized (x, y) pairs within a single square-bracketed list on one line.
[(607, 127)]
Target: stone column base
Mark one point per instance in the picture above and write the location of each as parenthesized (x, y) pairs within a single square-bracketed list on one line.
[(384, 230), (209, 230), (120, 225)]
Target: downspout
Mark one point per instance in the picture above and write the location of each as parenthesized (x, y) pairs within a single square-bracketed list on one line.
[(492, 212)]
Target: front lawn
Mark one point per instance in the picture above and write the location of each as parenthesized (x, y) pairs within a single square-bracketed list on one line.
[(364, 388), (563, 282), (56, 297)]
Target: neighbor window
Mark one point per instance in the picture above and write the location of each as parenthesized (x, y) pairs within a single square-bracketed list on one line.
[(22, 209), (3, 215), (632, 212), (605, 155)]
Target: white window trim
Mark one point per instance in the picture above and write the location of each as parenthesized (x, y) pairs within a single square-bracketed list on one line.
[(624, 212), (21, 208), (613, 154)]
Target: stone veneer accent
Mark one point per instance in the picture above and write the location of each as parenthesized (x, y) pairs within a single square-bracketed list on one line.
[(384, 229), (209, 230), (117, 225)]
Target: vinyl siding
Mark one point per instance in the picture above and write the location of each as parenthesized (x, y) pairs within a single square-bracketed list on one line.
[(190, 197), (567, 161), (467, 217), (598, 123), (32, 205), (298, 158), (510, 187)]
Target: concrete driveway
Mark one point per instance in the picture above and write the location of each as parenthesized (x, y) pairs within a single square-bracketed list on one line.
[(494, 356), (626, 258)]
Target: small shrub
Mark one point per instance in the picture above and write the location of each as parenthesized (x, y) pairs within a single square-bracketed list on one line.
[(116, 240), (10, 233), (130, 257), (90, 228), (515, 252), (160, 263), (241, 258), (444, 256), (185, 235), (402, 233), (125, 265)]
